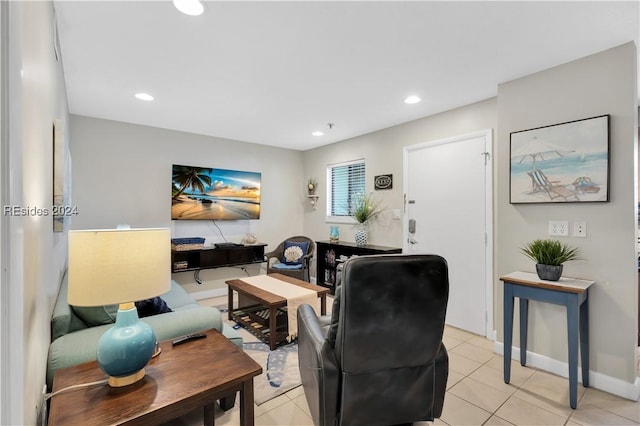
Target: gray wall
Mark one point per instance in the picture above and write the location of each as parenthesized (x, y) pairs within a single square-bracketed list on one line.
[(122, 174), (36, 255), (604, 83)]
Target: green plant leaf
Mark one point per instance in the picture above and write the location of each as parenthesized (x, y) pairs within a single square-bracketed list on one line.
[(365, 208), (550, 252)]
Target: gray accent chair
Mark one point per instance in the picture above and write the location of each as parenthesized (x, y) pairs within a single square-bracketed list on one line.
[(378, 359), (302, 273)]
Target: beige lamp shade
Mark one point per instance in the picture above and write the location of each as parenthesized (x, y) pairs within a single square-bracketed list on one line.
[(110, 266)]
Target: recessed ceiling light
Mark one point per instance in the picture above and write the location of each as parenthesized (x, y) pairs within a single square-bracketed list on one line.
[(317, 133), (144, 96), (412, 99), (189, 7)]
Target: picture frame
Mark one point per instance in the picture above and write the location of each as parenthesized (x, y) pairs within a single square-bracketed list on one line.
[(383, 182), (561, 163), (58, 201), (207, 193)]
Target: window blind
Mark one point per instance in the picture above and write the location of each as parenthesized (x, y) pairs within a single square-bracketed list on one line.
[(346, 180)]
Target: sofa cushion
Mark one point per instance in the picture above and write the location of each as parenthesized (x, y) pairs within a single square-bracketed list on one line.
[(178, 298), (149, 307), (294, 251), (80, 346), (96, 315), (63, 319), (280, 265)]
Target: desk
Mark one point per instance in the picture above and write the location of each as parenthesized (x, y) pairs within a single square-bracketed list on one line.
[(181, 378), (570, 292)]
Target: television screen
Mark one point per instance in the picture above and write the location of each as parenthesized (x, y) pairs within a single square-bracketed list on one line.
[(214, 194)]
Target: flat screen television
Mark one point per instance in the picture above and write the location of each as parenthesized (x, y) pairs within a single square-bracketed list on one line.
[(202, 193)]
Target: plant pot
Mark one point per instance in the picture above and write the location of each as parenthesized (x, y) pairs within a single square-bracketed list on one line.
[(549, 272), (361, 236)]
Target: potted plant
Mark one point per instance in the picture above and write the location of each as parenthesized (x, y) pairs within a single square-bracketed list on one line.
[(365, 208), (549, 256)]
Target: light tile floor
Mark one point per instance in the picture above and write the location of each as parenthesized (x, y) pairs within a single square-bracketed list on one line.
[(476, 395)]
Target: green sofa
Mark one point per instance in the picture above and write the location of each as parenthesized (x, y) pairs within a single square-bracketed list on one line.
[(74, 342)]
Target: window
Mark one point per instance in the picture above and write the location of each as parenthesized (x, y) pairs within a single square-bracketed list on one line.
[(343, 181)]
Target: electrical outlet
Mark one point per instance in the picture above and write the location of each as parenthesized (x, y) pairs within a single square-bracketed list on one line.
[(559, 228), (580, 229)]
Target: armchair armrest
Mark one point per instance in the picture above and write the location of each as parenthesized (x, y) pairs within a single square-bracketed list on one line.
[(318, 367), (81, 345), (306, 260)]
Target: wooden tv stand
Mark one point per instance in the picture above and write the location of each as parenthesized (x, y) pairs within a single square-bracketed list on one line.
[(215, 257)]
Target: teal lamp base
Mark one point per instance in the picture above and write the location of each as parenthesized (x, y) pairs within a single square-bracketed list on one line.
[(126, 348)]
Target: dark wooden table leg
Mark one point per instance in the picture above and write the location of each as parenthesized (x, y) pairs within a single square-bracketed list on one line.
[(228, 402), (246, 403), (323, 304), (210, 414), (230, 303), (273, 313)]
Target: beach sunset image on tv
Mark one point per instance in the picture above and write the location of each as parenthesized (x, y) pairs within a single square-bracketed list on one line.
[(214, 194)]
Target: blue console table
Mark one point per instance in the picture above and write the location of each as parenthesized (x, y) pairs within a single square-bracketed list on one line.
[(570, 292)]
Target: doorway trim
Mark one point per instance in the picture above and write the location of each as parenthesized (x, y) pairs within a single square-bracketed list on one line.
[(490, 330)]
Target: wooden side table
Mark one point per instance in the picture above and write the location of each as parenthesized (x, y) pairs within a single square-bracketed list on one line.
[(180, 379), (570, 292)]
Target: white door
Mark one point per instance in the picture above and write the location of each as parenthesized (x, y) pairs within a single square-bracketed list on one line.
[(448, 195)]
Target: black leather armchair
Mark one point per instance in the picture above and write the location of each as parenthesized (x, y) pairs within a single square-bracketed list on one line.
[(379, 358)]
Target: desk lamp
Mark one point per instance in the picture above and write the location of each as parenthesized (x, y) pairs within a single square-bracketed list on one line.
[(122, 266)]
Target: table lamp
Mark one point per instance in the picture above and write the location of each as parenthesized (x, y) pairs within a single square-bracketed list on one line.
[(122, 266)]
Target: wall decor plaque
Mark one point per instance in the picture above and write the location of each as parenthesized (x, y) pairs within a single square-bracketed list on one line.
[(383, 182)]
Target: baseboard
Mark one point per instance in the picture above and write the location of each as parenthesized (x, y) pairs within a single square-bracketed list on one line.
[(493, 335), (596, 380)]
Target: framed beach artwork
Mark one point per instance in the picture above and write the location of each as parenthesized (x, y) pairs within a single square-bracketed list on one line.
[(205, 193), (561, 163)]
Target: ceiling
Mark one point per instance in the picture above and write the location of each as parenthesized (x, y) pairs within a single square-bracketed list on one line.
[(273, 72)]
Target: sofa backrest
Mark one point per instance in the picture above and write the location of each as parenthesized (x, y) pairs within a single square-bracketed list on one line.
[(63, 319)]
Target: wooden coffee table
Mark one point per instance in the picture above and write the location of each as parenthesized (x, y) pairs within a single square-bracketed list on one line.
[(179, 380), (263, 313)]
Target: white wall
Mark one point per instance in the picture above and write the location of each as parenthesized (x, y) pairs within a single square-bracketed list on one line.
[(36, 257), (604, 83), (383, 153), (122, 174)]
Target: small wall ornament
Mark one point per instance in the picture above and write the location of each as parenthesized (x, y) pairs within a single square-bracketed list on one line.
[(312, 185)]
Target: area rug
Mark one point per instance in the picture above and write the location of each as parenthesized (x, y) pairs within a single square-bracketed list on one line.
[(280, 371)]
